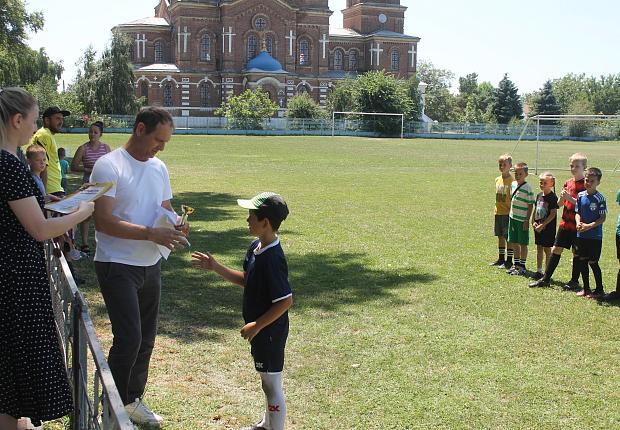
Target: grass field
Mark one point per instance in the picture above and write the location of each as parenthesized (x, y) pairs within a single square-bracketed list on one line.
[(398, 322)]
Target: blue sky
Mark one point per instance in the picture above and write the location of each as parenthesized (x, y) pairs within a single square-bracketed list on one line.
[(531, 40)]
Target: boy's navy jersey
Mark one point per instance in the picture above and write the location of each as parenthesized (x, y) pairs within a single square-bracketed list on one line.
[(266, 281), (590, 208)]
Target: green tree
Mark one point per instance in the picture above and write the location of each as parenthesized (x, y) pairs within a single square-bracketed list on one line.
[(568, 89), (303, 106), (342, 99), (580, 106), (15, 23), (545, 103), (507, 103), (413, 90), (605, 94), (248, 110), (439, 101)]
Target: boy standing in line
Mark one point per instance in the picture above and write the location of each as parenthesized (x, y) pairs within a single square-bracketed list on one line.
[(591, 212), (267, 297), (615, 295), (567, 233), (522, 202), (544, 221), (502, 210)]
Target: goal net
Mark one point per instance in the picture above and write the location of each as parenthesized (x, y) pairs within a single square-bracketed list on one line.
[(556, 137), (377, 122)]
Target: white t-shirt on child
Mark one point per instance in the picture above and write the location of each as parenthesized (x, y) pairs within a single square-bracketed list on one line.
[(141, 187)]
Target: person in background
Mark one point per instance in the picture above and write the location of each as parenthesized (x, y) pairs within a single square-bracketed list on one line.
[(64, 168)]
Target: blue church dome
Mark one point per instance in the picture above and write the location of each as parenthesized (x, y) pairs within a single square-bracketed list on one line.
[(264, 62)]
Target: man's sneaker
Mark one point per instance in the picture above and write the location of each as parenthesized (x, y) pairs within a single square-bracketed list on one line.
[(542, 282), (571, 286), (497, 263), (537, 275), (583, 293), (614, 296), (139, 413)]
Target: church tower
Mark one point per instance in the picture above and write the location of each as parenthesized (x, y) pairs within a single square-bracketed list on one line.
[(367, 17)]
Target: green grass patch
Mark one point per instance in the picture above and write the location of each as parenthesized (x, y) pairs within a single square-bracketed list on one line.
[(398, 322)]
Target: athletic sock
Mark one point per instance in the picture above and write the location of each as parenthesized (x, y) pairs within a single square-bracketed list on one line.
[(585, 274), (575, 274), (553, 264), (276, 405), (510, 254), (502, 254), (598, 276), (523, 260)]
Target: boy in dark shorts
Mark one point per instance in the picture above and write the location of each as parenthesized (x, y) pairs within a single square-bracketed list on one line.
[(267, 297), (502, 209), (544, 221), (591, 212), (567, 233), (615, 295)]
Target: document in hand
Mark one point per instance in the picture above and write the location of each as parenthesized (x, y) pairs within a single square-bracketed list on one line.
[(166, 219), (90, 193)]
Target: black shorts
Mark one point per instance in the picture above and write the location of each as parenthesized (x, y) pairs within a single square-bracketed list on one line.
[(618, 246), (589, 249), (565, 238), (501, 226), (545, 238), (268, 348)]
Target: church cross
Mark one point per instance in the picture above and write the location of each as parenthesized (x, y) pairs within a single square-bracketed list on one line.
[(185, 36), (324, 41), (376, 50), (413, 52), (230, 34), (290, 38)]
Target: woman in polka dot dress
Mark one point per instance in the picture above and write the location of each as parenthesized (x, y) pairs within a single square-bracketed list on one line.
[(33, 379)]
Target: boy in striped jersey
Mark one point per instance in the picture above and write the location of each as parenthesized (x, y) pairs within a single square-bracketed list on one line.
[(521, 205), (591, 212)]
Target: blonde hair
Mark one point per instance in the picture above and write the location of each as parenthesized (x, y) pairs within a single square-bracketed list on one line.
[(13, 101), (578, 156), (546, 175), (505, 157), (33, 150)]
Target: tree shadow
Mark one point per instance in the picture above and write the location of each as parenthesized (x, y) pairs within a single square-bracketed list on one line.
[(208, 206)]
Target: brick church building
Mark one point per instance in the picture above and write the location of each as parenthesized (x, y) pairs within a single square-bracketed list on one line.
[(194, 54)]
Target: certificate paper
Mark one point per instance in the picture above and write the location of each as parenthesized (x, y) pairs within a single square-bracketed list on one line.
[(70, 203)]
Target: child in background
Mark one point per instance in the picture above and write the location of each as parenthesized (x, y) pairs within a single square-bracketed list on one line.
[(591, 212), (37, 157), (567, 233), (615, 295), (266, 298), (502, 210), (521, 204), (544, 221), (64, 168)]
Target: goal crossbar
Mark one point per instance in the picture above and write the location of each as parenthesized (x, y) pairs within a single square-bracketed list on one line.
[(402, 119)]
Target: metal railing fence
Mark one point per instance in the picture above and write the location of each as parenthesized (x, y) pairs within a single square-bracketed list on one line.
[(96, 402)]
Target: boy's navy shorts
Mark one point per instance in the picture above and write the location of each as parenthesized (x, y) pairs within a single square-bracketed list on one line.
[(565, 239), (589, 249), (268, 349)]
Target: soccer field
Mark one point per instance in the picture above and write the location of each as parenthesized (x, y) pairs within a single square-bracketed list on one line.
[(398, 322)]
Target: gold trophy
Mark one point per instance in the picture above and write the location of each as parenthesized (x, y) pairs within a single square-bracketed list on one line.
[(185, 212)]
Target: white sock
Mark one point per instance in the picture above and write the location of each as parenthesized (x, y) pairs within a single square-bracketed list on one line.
[(275, 415)]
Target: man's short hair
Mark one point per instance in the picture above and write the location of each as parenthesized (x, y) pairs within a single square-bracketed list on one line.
[(151, 116), (595, 171), (578, 156), (33, 150), (522, 166), (505, 157)]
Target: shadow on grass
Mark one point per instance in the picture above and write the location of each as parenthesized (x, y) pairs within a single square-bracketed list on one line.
[(196, 303), (209, 206)]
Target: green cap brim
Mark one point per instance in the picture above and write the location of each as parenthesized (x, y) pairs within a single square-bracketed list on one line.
[(247, 204)]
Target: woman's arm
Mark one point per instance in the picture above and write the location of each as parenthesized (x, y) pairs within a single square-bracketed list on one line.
[(77, 159), (30, 216)]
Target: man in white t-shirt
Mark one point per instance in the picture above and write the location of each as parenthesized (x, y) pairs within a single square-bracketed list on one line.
[(127, 259)]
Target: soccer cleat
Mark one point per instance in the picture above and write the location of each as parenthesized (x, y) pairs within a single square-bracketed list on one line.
[(497, 263), (253, 427), (511, 269), (139, 413), (537, 275), (519, 271), (506, 266), (584, 293), (571, 286), (542, 282)]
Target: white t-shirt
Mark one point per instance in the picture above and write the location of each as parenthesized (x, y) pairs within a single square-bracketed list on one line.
[(141, 187)]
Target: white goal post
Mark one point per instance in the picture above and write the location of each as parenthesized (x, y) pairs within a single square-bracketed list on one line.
[(547, 118), (402, 119)]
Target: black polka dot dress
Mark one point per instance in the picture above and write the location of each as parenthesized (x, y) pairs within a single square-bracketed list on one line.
[(33, 379)]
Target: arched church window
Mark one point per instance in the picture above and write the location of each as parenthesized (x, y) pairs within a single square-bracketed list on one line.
[(144, 92), (353, 60), (204, 95), (304, 52), (395, 60), (338, 59), (205, 48), (159, 52), (252, 46), (168, 95), (269, 45)]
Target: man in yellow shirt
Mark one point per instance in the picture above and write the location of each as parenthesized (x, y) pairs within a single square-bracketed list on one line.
[(53, 119)]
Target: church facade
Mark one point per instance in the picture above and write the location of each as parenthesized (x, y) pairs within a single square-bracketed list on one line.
[(192, 55)]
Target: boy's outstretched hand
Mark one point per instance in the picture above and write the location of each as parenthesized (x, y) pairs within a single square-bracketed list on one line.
[(203, 261), (249, 331)]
